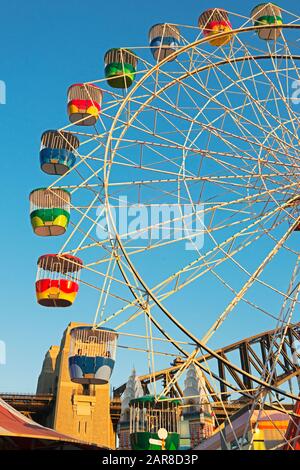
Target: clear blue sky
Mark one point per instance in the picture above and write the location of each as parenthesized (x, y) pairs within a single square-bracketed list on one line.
[(46, 46)]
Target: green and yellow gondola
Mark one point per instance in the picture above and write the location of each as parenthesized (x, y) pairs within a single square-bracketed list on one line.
[(267, 14), (120, 67), (49, 211)]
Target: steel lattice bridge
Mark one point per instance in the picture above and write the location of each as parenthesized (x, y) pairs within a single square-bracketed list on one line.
[(254, 358)]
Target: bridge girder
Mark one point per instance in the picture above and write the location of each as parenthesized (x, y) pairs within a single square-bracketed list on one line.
[(256, 356)]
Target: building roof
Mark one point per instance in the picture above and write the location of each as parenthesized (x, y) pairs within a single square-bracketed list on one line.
[(153, 399)]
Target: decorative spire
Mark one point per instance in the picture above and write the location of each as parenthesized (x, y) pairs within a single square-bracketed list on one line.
[(195, 391), (197, 408), (133, 390)]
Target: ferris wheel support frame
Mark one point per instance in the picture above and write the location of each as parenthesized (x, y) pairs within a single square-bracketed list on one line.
[(108, 161)]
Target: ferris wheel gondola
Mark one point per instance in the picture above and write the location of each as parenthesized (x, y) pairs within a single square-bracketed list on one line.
[(49, 211), (215, 21), (84, 104), (266, 14), (57, 154), (164, 39), (92, 355), (147, 417), (57, 280), (120, 67)]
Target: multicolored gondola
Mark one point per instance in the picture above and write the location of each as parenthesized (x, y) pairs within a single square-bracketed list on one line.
[(92, 355), (164, 40), (49, 211), (84, 104), (57, 280), (266, 14), (120, 67), (213, 22), (148, 414), (57, 154)]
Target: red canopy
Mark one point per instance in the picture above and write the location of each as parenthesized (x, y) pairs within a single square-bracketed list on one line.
[(21, 432)]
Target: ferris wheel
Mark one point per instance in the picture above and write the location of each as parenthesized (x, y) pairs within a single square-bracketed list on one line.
[(176, 187)]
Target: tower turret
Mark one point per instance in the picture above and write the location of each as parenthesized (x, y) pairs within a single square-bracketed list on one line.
[(197, 409), (133, 390)]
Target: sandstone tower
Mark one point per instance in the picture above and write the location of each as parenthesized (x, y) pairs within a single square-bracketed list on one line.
[(81, 411)]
